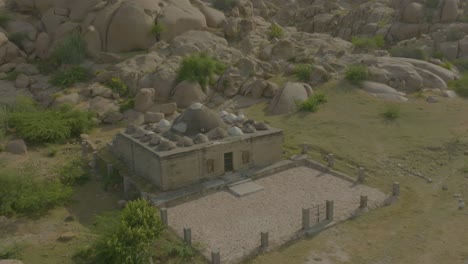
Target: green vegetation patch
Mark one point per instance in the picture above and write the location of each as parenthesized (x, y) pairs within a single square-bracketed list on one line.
[(312, 103), (68, 77), (53, 125), (408, 52), (224, 5), (303, 72), (74, 172), (367, 44), (70, 50), (25, 194), (275, 31), (128, 238), (391, 112), (199, 68), (357, 73), (460, 86), (4, 19), (118, 86)]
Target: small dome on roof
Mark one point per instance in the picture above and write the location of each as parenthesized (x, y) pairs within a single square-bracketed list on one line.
[(139, 132), (222, 114), (262, 126), (185, 142), (217, 133), (166, 146), (155, 140), (196, 119), (249, 129), (200, 138), (131, 129), (235, 131), (164, 124)]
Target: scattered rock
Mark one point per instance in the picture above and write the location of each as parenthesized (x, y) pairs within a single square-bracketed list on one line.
[(112, 117), (22, 81), (187, 93), (144, 99), (10, 261), (152, 117), (432, 99), (17, 147), (445, 188), (67, 236), (121, 204), (69, 218)]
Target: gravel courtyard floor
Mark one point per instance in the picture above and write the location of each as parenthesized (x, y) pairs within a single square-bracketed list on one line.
[(232, 225)]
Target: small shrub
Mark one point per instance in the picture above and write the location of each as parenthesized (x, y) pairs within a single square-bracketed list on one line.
[(11, 76), (357, 73), (303, 72), (11, 252), (69, 77), (157, 29), (42, 126), (408, 52), (180, 249), (48, 66), (52, 152), (454, 35), (460, 86), (447, 65), (131, 239), (312, 103), (27, 194), (127, 105), (275, 31), (224, 5), (71, 50), (391, 112), (432, 3), (199, 68), (73, 173), (438, 55), (17, 38), (4, 19), (367, 44), (118, 86), (461, 64)]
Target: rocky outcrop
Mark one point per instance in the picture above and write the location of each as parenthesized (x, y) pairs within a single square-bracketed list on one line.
[(179, 17), (17, 147), (187, 93), (287, 97)]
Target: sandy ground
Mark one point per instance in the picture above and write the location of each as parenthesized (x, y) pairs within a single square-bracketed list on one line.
[(232, 225)]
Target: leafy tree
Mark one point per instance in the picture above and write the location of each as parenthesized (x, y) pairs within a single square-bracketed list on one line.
[(199, 68)]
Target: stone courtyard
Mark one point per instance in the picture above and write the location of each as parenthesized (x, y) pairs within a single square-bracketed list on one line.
[(232, 225)]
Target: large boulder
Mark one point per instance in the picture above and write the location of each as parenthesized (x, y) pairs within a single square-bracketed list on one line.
[(383, 91), (102, 106), (214, 17), (180, 16), (449, 11), (130, 27), (414, 13), (144, 99), (230, 82), (17, 147), (187, 93), (10, 261), (285, 100)]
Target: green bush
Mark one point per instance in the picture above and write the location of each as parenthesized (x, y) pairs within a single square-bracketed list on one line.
[(71, 50), (11, 252), (199, 68), (17, 38), (224, 5), (180, 249), (275, 31), (27, 194), (432, 3), (48, 66), (130, 241), (460, 86), (461, 64), (127, 105), (157, 29), (52, 152), (357, 73), (303, 72), (74, 172), (367, 44), (447, 65), (391, 112), (4, 19), (69, 77), (455, 35), (438, 54), (312, 103), (118, 86), (41, 126), (11, 76), (408, 52)]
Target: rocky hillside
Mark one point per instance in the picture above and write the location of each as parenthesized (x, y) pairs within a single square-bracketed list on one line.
[(141, 43)]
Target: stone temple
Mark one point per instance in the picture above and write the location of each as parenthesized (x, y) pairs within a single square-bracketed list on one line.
[(199, 144)]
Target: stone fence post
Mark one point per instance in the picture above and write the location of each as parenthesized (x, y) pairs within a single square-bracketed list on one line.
[(363, 202), (305, 219), (331, 160), (396, 189), (84, 150), (361, 175), (188, 236), (264, 243), (215, 257), (164, 220), (330, 210)]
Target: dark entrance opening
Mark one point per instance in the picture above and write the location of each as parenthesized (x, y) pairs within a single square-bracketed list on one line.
[(228, 164)]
